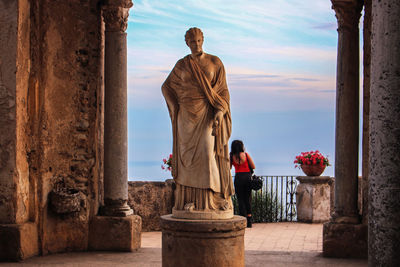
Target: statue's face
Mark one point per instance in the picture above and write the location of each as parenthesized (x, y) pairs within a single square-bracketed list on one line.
[(196, 44)]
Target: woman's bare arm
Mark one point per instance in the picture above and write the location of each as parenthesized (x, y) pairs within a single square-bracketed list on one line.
[(251, 162)]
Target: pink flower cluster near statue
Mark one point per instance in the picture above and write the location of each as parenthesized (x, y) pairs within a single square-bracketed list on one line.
[(167, 163), (311, 158)]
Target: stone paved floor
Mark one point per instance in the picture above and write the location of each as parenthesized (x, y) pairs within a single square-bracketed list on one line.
[(267, 244)]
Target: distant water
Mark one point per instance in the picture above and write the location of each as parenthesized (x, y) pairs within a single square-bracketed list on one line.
[(151, 170)]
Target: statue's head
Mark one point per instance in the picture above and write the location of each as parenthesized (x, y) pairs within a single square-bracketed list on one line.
[(194, 39)]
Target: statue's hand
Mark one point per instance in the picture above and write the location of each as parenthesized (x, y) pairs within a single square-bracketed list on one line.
[(217, 121)]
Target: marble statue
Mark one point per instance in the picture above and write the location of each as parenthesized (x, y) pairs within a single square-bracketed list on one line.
[(197, 97)]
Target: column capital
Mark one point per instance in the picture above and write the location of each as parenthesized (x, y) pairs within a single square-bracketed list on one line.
[(348, 13), (115, 14)]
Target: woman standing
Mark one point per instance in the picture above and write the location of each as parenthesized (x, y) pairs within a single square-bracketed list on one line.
[(242, 163)]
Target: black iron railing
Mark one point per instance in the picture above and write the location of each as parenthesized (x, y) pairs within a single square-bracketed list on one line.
[(275, 201)]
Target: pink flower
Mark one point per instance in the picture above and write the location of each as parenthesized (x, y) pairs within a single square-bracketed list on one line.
[(167, 163)]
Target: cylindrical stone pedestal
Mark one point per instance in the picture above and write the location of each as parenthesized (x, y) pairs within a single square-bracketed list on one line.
[(203, 242), (313, 199)]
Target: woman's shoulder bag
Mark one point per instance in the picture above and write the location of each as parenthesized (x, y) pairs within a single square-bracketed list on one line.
[(256, 182)]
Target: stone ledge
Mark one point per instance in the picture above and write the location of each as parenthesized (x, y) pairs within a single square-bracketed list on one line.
[(202, 215), (115, 233), (345, 240), (185, 225), (314, 179), (150, 200), (18, 241)]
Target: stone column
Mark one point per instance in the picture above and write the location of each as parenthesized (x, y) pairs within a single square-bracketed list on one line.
[(384, 149), (347, 110), (344, 236), (116, 229), (115, 14), (366, 100)]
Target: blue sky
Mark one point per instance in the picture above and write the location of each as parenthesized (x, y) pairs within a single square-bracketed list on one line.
[(280, 60)]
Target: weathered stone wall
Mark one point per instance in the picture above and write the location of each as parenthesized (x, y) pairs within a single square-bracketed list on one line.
[(25, 188), (14, 70), (150, 200), (64, 112), (8, 37), (18, 227)]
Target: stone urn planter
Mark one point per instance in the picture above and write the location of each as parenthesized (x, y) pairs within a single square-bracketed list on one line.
[(313, 170), (65, 200), (313, 163)]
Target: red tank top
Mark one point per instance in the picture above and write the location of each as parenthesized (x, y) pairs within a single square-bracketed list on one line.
[(242, 167)]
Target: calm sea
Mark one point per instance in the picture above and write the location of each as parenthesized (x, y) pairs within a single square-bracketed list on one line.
[(151, 170)]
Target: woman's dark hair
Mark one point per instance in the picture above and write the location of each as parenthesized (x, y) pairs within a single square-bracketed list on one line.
[(237, 147)]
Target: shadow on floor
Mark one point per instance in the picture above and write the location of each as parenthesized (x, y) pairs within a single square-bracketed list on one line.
[(149, 257)]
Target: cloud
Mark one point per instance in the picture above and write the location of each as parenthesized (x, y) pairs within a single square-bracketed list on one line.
[(305, 79), (330, 26), (255, 92), (267, 19)]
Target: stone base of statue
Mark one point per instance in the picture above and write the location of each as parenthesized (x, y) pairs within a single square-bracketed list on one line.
[(193, 243)]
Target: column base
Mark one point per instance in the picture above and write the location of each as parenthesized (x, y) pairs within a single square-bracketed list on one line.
[(116, 210), (345, 240), (115, 233), (202, 242), (340, 219), (18, 241)]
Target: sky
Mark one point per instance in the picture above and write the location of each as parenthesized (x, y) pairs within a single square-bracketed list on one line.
[(280, 60)]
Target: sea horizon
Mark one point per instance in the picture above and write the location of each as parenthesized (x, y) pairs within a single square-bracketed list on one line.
[(151, 171)]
